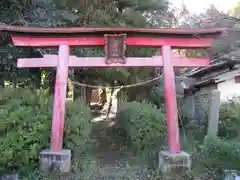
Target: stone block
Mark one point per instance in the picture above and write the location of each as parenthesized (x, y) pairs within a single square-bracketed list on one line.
[(174, 162), (59, 161), (9, 177), (214, 108)]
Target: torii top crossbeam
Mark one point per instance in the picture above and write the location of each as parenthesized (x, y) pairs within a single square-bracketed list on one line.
[(92, 37)]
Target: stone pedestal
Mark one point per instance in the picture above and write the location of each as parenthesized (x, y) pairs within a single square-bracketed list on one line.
[(9, 177), (60, 161), (174, 162)]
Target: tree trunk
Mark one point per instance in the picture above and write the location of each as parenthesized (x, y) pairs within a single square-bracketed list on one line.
[(88, 95), (36, 72), (81, 92), (2, 81), (120, 100), (52, 80)]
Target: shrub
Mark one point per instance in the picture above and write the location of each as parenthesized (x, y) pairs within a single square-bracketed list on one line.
[(197, 130), (221, 155), (229, 119), (78, 127), (26, 124), (144, 124)]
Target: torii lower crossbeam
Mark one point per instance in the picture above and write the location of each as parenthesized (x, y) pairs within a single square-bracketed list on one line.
[(156, 61)]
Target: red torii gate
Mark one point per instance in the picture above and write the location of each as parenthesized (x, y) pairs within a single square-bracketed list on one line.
[(115, 41)]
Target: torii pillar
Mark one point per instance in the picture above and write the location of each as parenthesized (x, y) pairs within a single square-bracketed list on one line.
[(57, 157)]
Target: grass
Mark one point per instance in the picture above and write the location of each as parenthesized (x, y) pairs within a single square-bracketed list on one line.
[(126, 167), (114, 159)]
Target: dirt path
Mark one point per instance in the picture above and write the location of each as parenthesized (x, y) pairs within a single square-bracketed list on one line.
[(113, 155), (111, 150)]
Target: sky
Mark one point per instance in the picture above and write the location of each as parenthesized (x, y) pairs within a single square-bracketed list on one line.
[(198, 6)]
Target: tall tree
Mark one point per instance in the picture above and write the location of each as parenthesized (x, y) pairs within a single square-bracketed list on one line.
[(235, 11)]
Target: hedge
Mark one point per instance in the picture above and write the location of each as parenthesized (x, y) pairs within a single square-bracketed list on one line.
[(144, 124), (229, 122), (229, 119), (220, 154), (26, 122)]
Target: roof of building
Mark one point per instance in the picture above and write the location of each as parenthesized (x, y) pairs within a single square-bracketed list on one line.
[(212, 67)]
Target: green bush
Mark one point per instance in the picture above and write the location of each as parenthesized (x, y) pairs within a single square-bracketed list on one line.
[(220, 154), (144, 124), (78, 127), (197, 130), (26, 124), (229, 119)]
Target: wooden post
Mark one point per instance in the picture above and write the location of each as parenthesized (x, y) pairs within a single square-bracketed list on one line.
[(190, 104), (170, 100), (80, 93), (213, 118), (120, 100), (59, 99), (88, 95), (83, 96)]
